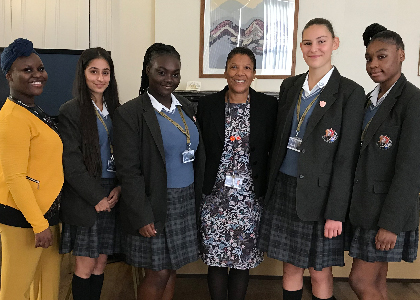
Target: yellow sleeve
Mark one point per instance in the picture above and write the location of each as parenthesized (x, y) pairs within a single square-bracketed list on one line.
[(15, 142)]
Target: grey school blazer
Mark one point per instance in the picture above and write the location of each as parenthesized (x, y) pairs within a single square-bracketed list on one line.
[(387, 180), (325, 168), (140, 162)]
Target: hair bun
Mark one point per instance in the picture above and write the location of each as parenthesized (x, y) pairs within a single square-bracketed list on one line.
[(370, 31)]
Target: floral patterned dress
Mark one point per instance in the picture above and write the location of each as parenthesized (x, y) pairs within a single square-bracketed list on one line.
[(230, 217)]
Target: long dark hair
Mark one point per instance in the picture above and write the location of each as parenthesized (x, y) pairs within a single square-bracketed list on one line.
[(157, 49), (88, 127)]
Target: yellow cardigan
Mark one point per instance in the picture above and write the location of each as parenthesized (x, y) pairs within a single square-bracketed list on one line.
[(29, 148)]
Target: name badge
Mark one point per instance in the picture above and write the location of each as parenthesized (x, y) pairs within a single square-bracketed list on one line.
[(234, 181), (188, 156), (111, 165), (294, 143)]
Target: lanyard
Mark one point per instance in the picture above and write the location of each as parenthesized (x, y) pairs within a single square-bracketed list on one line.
[(106, 128), (301, 119), (366, 128), (184, 131)]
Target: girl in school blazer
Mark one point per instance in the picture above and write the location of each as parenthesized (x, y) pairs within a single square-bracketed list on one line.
[(159, 183), (384, 211), (312, 166), (90, 192)]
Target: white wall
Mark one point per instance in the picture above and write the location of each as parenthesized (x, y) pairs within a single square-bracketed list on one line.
[(178, 23), (128, 27)]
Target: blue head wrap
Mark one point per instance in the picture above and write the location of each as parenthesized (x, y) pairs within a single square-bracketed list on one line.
[(19, 47)]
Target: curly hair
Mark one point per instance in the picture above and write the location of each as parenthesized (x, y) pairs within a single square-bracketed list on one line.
[(376, 31), (243, 51)]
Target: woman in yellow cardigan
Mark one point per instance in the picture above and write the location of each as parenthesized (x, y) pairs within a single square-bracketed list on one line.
[(31, 177)]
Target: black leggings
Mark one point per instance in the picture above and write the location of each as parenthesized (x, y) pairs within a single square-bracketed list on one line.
[(230, 285)]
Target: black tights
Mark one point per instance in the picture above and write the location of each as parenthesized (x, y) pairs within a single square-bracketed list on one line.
[(232, 284)]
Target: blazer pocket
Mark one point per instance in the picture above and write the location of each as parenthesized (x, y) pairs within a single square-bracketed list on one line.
[(324, 180), (381, 187)]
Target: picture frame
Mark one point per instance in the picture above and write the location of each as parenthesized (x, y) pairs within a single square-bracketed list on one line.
[(267, 27)]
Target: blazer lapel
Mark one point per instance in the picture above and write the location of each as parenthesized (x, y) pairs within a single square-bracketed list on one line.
[(328, 96), (153, 124), (256, 113), (384, 110), (186, 108), (291, 100), (282, 136), (218, 114)]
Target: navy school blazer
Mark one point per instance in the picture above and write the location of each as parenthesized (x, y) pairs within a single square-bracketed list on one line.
[(211, 118), (387, 180), (326, 169)]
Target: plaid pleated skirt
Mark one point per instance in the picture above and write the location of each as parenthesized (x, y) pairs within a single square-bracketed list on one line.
[(177, 245), (287, 238), (102, 238), (362, 246)]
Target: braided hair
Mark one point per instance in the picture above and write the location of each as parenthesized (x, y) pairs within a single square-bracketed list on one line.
[(376, 31), (88, 127), (155, 50)]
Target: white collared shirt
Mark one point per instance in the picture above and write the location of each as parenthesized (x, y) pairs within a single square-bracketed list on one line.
[(375, 93), (320, 85), (159, 106), (104, 113)]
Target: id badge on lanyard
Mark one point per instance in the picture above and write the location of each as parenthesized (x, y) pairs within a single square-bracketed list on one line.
[(111, 164), (188, 155), (234, 181), (294, 143)]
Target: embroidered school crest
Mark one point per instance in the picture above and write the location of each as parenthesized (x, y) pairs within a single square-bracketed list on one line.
[(330, 136), (384, 142)]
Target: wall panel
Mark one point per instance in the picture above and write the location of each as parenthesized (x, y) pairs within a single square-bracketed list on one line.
[(58, 24)]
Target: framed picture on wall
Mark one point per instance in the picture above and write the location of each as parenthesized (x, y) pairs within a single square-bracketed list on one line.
[(267, 27)]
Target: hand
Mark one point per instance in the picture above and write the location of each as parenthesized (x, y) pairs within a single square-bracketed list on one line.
[(332, 228), (148, 230), (44, 239), (385, 240), (103, 205), (114, 196)]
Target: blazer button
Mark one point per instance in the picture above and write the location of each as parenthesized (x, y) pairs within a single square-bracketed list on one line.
[(301, 176), (256, 176), (252, 149), (254, 163), (356, 181), (303, 150)]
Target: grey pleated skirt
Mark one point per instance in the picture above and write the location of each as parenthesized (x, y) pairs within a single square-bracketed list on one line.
[(362, 246), (177, 245), (287, 238), (102, 238)]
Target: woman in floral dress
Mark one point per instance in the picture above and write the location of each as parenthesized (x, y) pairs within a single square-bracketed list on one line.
[(235, 175)]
